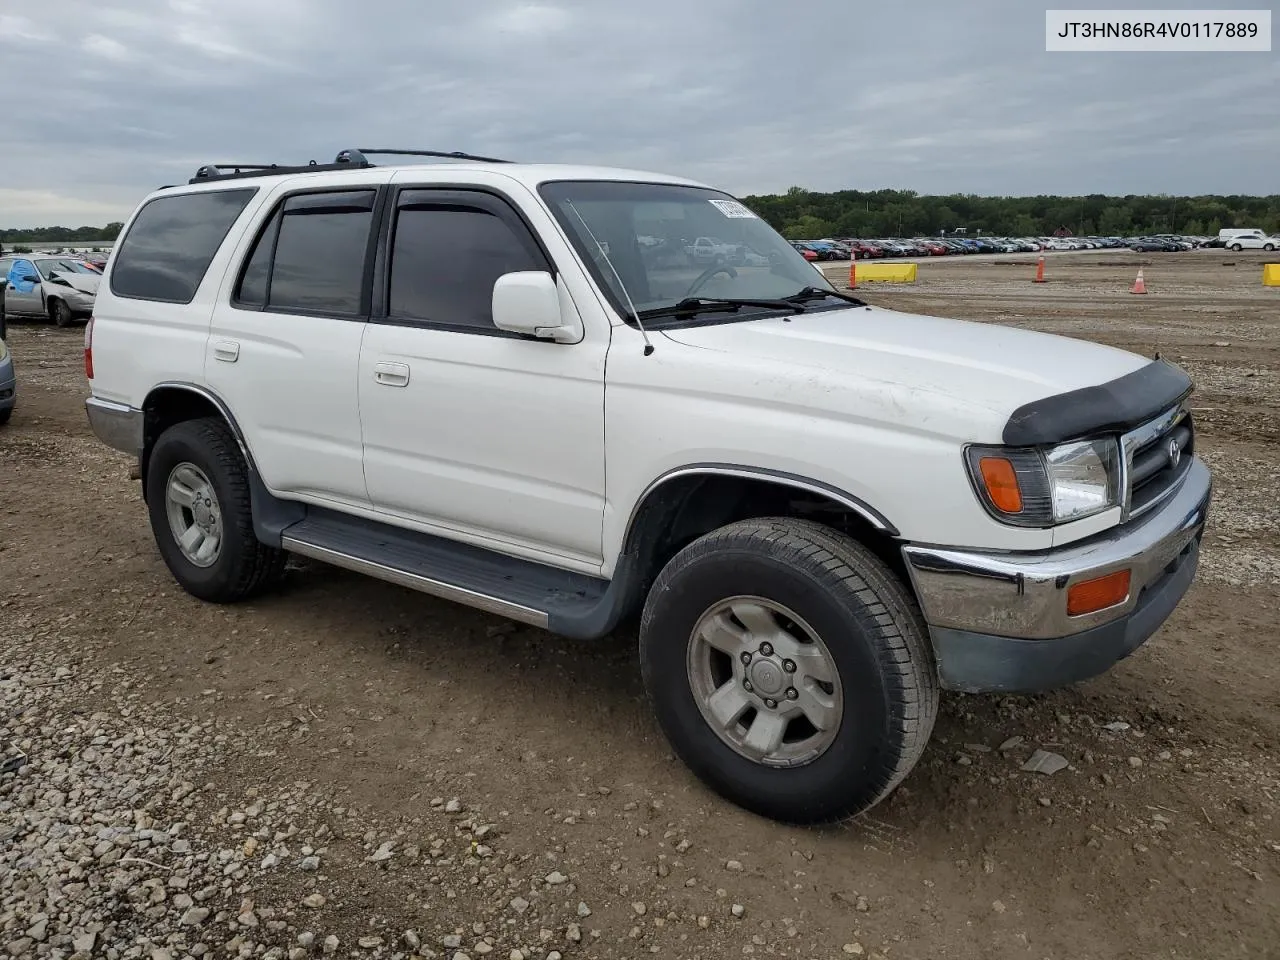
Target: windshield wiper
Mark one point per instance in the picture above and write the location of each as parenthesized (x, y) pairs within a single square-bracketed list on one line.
[(692, 305), (817, 293)]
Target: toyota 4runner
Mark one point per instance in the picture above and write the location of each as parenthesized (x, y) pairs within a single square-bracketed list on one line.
[(512, 386)]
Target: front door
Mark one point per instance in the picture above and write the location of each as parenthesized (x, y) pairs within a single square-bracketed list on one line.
[(23, 295), (471, 431)]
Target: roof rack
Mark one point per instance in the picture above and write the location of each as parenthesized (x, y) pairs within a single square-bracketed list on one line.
[(345, 160), (360, 155), (231, 171)]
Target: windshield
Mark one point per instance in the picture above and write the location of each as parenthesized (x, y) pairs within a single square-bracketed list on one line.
[(669, 242), (48, 267)]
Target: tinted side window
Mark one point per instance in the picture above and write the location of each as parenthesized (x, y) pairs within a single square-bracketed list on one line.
[(445, 260), (252, 289), (171, 242), (319, 264)]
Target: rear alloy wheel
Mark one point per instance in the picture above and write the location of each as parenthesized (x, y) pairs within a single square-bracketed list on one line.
[(789, 668), (198, 501), (61, 313)]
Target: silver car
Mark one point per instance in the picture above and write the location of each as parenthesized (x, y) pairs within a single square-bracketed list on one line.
[(61, 289)]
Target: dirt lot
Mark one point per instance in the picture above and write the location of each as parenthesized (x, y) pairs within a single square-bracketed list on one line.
[(340, 717)]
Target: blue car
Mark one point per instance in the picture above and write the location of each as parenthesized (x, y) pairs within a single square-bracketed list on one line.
[(8, 384)]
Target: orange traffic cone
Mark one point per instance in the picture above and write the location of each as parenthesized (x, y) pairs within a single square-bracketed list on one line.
[(1139, 285), (1040, 270), (853, 269)]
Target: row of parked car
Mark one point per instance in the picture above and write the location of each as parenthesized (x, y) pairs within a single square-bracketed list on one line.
[(840, 248)]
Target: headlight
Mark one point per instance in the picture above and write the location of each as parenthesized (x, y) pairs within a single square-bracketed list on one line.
[(1032, 487)]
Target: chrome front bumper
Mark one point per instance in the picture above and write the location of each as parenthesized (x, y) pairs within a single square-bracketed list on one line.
[(118, 425), (999, 621)]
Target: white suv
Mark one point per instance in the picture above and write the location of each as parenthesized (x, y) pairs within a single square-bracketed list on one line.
[(1256, 240), (510, 386)]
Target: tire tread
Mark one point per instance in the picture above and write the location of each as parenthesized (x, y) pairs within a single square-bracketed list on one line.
[(889, 615)]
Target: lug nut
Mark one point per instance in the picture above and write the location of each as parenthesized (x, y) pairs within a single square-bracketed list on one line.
[(793, 693), (746, 685), (789, 666), (766, 649), (771, 704), (746, 657)]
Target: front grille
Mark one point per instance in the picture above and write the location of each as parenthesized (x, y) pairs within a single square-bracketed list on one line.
[(1157, 455)]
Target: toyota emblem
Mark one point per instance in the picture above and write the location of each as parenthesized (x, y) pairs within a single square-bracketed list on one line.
[(1175, 453)]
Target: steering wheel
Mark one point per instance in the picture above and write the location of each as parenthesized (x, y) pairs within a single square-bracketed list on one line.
[(707, 275)]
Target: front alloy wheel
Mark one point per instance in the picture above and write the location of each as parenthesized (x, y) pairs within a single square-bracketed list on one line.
[(789, 668), (765, 682)]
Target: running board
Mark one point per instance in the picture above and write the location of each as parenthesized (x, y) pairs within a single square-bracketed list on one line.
[(522, 590)]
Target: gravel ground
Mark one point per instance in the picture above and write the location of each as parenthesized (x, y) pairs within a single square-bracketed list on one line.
[(349, 769)]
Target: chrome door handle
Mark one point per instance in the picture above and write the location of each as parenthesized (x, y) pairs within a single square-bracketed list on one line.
[(228, 351), (391, 374)]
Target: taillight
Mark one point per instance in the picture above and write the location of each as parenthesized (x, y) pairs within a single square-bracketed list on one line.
[(88, 349)]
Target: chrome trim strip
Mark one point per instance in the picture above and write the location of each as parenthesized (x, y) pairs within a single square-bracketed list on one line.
[(118, 425), (218, 402), (1024, 594), (428, 585), (816, 487)]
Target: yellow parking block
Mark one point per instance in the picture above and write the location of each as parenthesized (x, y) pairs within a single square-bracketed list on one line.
[(885, 272), (1270, 275)]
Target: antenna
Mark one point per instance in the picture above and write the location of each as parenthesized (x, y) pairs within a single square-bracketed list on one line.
[(648, 345)]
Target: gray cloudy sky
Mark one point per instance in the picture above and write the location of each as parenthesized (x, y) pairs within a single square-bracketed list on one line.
[(109, 98)]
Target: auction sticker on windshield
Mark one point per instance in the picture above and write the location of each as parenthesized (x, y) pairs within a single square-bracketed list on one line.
[(732, 208)]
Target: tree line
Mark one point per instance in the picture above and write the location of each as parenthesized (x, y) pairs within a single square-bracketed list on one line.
[(60, 235), (801, 214)]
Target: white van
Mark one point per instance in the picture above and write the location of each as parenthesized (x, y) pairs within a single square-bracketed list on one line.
[(1229, 232)]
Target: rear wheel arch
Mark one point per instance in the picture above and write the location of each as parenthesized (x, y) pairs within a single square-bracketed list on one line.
[(171, 403)]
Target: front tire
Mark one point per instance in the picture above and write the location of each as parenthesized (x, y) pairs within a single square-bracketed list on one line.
[(61, 313), (789, 668), (198, 502)]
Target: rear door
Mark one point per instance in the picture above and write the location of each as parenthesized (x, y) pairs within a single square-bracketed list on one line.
[(284, 344)]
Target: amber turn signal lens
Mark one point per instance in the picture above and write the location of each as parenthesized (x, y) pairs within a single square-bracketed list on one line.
[(1090, 596), (1001, 483)]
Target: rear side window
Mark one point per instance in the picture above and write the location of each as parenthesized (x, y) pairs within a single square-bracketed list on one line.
[(310, 257), (171, 243), (446, 257)]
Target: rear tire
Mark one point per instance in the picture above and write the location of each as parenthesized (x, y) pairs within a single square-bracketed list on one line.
[(1235, 248), (818, 585), (200, 461)]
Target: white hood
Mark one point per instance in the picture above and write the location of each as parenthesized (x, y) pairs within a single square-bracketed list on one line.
[(982, 370)]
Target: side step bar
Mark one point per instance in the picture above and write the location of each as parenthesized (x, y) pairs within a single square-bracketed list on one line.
[(561, 601)]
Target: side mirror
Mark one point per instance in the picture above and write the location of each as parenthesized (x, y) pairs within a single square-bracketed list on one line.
[(528, 302), (30, 279)]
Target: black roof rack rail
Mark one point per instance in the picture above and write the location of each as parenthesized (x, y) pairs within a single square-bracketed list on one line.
[(360, 155), (346, 160), (233, 171)]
